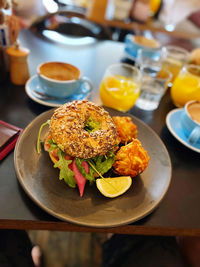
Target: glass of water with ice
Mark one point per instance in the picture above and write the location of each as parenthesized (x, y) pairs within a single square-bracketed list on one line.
[(155, 80)]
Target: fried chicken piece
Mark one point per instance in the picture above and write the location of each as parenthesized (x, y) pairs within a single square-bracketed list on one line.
[(131, 159), (126, 129)]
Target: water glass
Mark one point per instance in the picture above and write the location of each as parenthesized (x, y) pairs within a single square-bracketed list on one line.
[(153, 87), (149, 61), (154, 80)]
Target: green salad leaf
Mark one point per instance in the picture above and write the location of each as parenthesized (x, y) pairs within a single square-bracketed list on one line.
[(103, 163), (92, 125), (65, 172), (39, 135), (89, 176), (52, 144), (98, 164)]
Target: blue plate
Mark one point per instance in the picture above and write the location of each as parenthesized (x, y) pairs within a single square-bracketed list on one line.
[(174, 126), (35, 92)]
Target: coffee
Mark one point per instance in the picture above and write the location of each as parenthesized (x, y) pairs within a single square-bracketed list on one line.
[(194, 111), (141, 40), (59, 71)]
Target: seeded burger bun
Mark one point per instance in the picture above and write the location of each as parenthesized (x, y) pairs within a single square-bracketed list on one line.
[(69, 129), (195, 56)]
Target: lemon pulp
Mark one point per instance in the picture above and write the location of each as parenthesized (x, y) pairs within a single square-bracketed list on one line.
[(113, 187)]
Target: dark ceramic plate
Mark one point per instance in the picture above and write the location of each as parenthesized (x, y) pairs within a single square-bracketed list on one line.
[(40, 181)]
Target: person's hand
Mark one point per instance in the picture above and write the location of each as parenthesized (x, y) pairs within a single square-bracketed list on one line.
[(14, 27)]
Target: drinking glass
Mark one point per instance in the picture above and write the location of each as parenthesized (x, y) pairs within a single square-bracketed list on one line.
[(120, 86), (152, 89), (186, 86), (173, 59), (154, 80), (149, 61)]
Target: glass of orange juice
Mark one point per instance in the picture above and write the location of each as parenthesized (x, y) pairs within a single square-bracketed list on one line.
[(173, 59), (186, 86), (120, 86)]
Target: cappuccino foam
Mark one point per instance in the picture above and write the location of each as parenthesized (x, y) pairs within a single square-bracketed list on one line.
[(59, 71), (194, 111)]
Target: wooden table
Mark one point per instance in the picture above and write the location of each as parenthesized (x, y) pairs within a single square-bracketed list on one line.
[(177, 214)]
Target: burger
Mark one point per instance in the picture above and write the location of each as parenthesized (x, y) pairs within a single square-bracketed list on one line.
[(81, 142)]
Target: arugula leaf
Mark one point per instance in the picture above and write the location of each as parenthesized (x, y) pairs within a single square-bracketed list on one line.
[(65, 172), (104, 163), (39, 134), (52, 144), (98, 164), (92, 125), (89, 176)]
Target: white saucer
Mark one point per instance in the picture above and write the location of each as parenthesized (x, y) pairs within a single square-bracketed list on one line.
[(174, 126), (33, 84)]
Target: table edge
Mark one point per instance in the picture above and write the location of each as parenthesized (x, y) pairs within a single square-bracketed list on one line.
[(126, 229)]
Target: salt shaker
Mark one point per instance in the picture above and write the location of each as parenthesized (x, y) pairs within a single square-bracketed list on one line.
[(19, 71)]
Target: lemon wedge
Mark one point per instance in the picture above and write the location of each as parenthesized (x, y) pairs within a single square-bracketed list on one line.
[(114, 187)]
